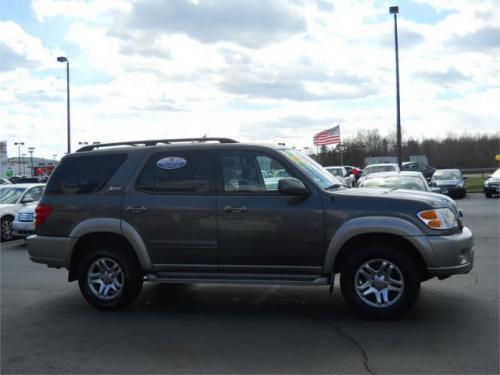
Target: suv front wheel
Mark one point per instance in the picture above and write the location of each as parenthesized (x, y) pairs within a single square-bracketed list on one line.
[(380, 281), (109, 278)]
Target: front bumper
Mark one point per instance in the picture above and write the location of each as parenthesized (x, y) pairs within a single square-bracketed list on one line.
[(23, 228), (492, 189), (454, 254), (453, 191), (52, 251)]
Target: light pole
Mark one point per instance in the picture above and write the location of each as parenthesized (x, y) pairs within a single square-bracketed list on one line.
[(30, 150), (24, 164), (19, 144), (395, 10), (63, 59)]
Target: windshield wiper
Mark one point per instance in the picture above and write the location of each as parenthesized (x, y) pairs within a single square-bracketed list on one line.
[(335, 186)]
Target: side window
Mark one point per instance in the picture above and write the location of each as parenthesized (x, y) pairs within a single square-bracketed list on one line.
[(250, 172), (177, 172), (85, 174), (34, 193)]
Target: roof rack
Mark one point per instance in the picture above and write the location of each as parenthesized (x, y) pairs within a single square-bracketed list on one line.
[(154, 142)]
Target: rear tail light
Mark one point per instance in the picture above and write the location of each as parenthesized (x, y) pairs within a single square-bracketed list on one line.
[(42, 212)]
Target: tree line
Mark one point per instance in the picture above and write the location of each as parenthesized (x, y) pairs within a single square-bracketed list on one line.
[(464, 151)]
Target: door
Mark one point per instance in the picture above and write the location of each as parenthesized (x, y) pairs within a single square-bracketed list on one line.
[(173, 207), (259, 229)]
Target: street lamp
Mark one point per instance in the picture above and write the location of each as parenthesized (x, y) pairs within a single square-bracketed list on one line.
[(83, 143), (24, 164), (30, 150), (19, 144), (395, 10), (96, 143), (63, 59)]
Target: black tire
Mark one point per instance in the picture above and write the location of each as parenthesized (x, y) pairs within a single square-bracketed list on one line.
[(131, 276), (6, 233), (405, 266), (488, 194)]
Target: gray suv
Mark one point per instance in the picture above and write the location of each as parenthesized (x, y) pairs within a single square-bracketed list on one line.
[(213, 210)]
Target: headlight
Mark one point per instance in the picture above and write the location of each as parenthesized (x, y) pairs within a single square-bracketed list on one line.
[(461, 184), (440, 218)]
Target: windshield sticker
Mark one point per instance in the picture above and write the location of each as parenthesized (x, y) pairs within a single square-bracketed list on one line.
[(172, 162)]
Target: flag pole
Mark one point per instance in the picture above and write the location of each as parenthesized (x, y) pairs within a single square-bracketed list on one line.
[(340, 147)]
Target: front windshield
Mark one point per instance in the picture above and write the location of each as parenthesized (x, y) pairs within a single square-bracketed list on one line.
[(312, 168), (446, 175), (378, 169), (337, 172), (395, 182), (10, 195)]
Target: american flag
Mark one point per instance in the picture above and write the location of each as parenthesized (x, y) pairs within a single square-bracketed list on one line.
[(327, 137)]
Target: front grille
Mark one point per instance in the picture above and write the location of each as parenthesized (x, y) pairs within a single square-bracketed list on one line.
[(25, 217)]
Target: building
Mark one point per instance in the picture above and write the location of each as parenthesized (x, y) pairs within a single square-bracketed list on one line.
[(25, 166)]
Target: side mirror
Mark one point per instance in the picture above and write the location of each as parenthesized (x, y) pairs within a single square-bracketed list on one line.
[(465, 177), (292, 186)]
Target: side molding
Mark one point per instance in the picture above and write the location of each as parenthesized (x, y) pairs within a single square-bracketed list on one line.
[(377, 225), (117, 226)]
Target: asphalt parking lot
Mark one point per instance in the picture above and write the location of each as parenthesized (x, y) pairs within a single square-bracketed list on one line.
[(47, 327)]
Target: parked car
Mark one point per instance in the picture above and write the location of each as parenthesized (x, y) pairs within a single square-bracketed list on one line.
[(197, 211), (13, 198), (492, 184), (398, 180), (414, 166), (377, 168), (342, 174), (4, 181), (24, 223), (450, 181)]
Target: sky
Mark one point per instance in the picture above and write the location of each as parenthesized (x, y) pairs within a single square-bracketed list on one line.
[(253, 70)]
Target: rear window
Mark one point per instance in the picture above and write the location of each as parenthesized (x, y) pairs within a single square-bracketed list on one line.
[(84, 175)]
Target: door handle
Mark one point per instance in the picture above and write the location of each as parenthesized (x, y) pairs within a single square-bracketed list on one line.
[(136, 209), (231, 209)]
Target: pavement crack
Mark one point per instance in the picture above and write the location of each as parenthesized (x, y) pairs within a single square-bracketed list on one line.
[(342, 333)]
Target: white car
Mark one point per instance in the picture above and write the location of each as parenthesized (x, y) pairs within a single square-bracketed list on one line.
[(377, 168), (342, 174), (12, 199)]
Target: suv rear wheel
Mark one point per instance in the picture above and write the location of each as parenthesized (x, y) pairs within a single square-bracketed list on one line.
[(109, 278), (380, 281)]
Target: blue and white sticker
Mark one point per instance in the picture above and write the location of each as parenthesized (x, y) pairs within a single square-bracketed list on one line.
[(172, 162)]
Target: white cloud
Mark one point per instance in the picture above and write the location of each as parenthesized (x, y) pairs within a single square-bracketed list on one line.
[(305, 67)]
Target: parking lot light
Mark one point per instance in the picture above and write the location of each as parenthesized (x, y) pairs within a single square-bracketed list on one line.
[(19, 144), (30, 150), (63, 59), (395, 10)]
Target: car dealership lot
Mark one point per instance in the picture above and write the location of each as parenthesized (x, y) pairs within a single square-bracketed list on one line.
[(47, 327)]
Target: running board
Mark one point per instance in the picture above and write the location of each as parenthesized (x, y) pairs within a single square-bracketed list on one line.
[(227, 278)]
